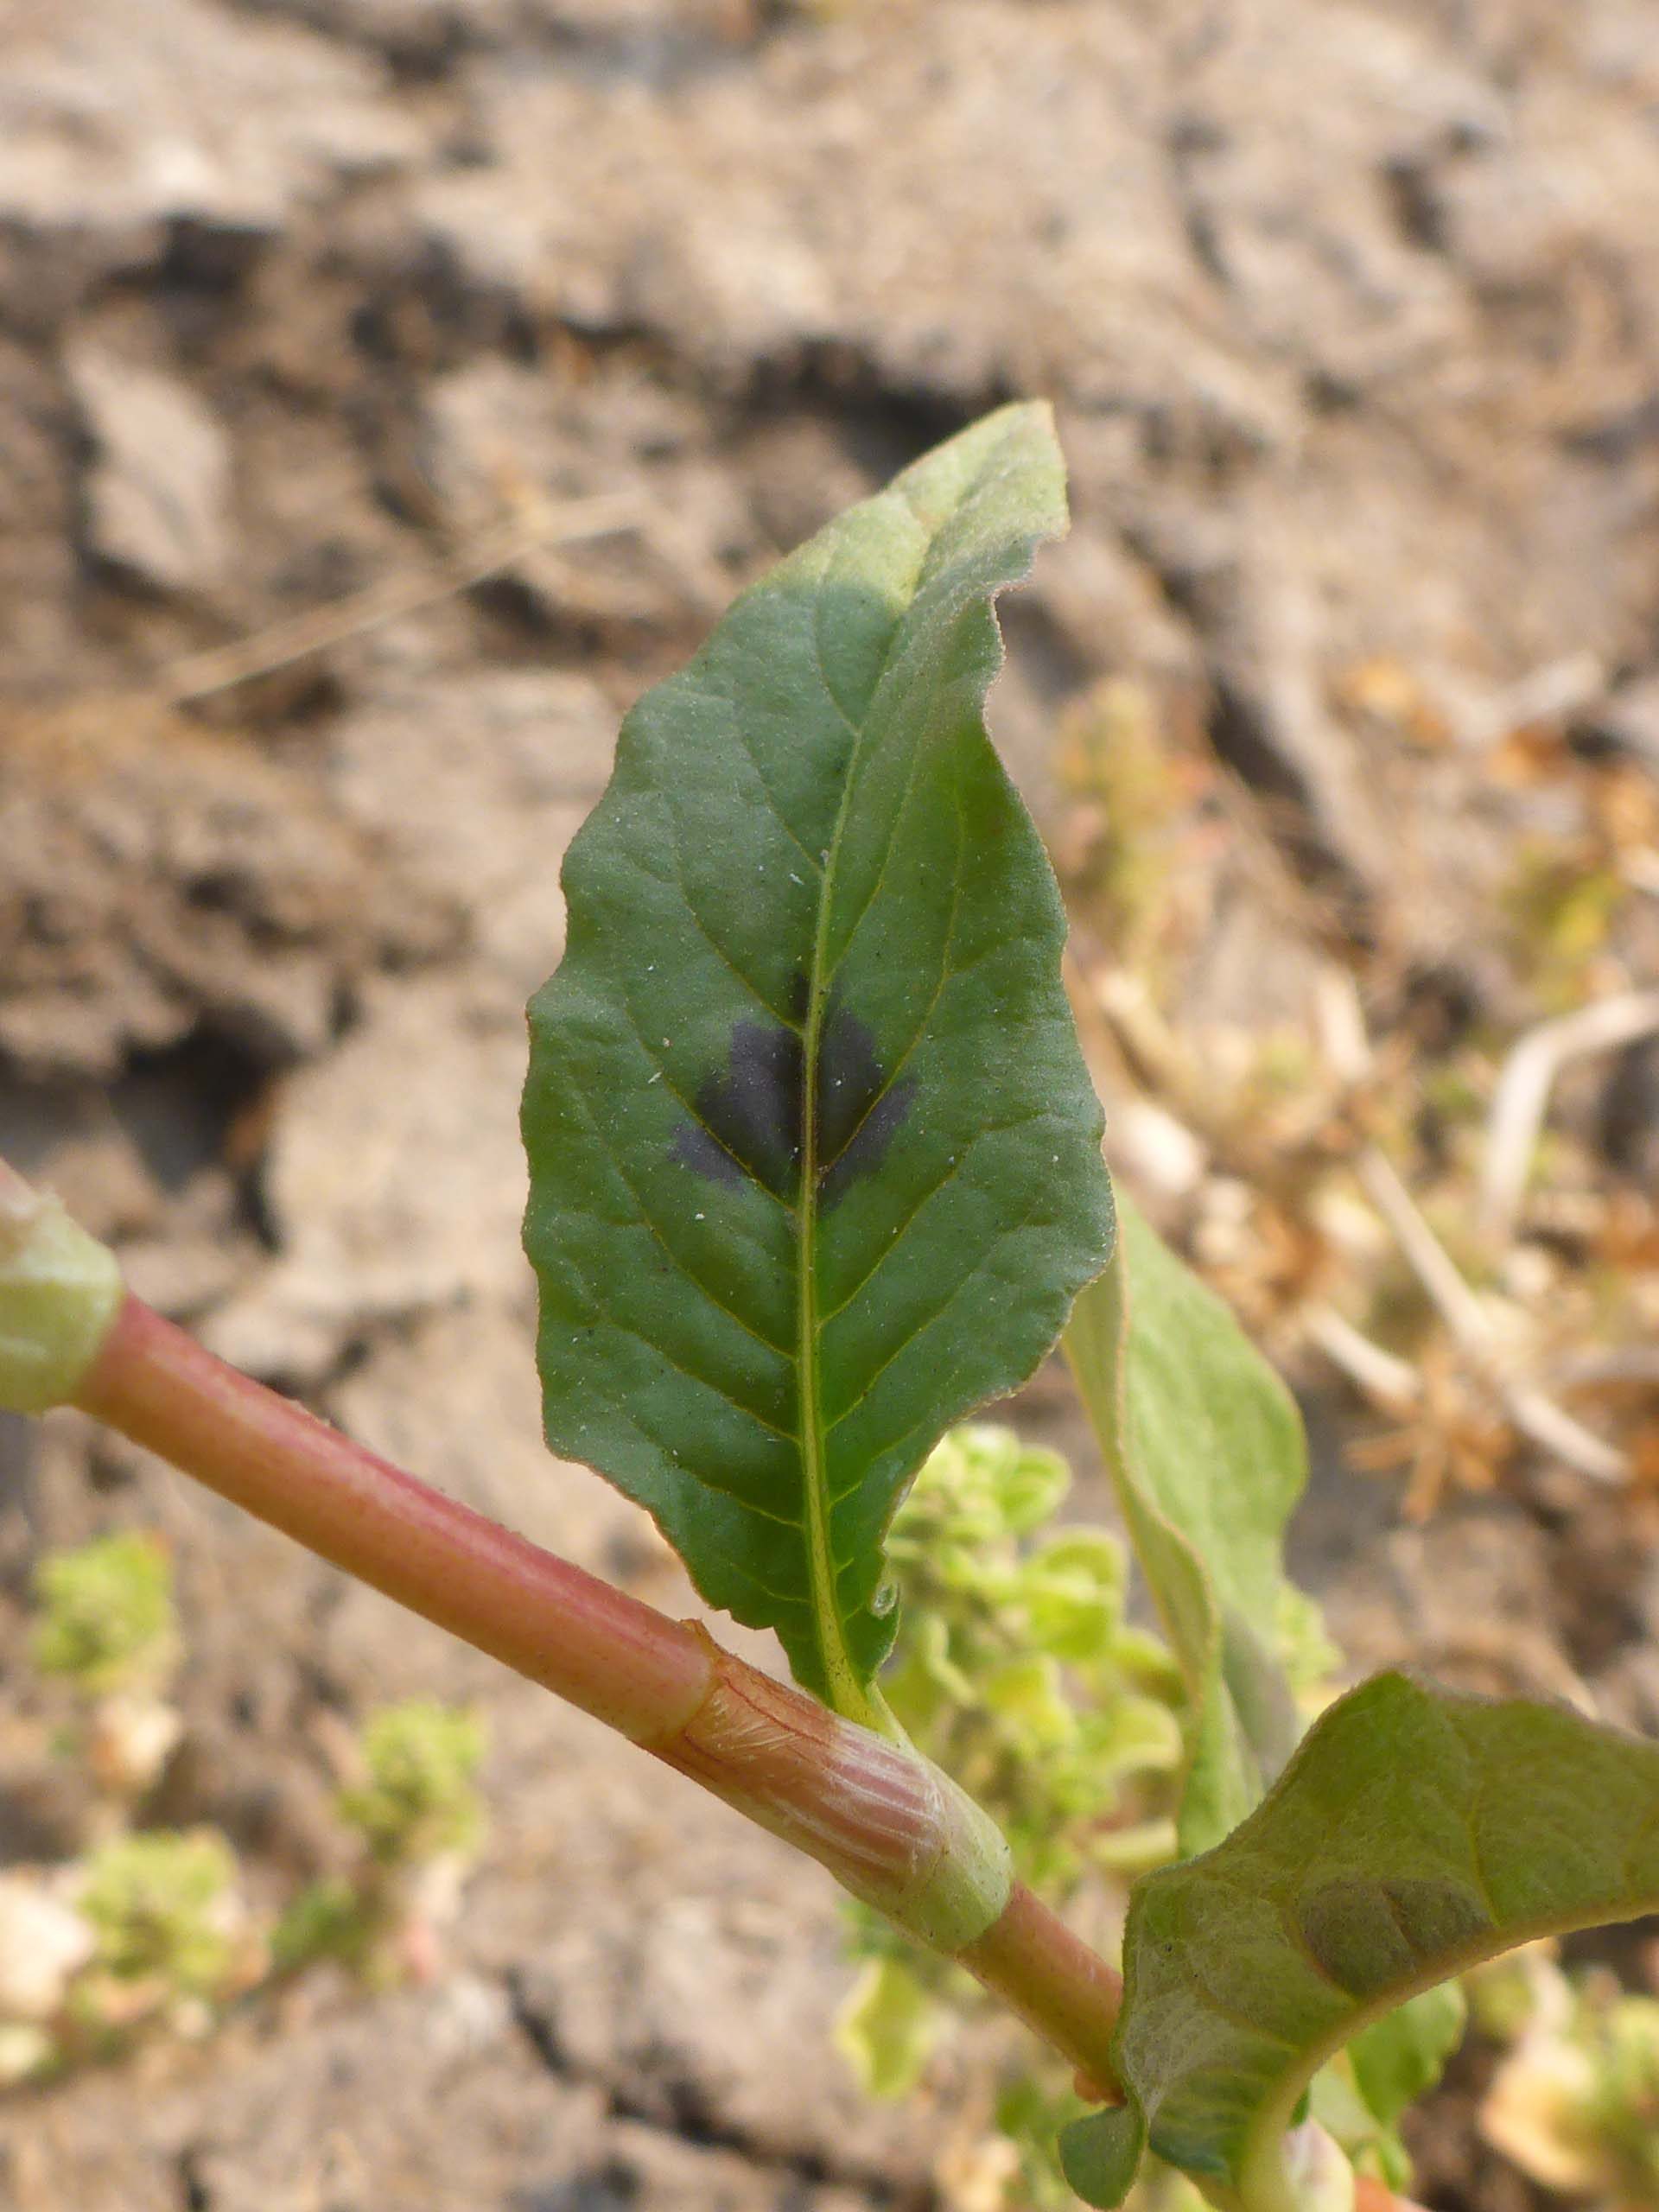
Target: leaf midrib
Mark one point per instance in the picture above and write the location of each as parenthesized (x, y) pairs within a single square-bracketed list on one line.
[(848, 1693)]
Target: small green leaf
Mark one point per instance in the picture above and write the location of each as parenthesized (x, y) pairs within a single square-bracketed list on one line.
[(1205, 1448), (1100, 2154), (1361, 2095), (1399, 2057), (1414, 1834), (888, 2028), (1028, 1484), (814, 1158)]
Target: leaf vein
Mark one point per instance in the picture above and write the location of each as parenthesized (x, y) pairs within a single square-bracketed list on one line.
[(988, 1129), (856, 730), (716, 1390), (784, 1021), (928, 1321), (947, 976), (647, 1222), (774, 805), (917, 751), (747, 1173)]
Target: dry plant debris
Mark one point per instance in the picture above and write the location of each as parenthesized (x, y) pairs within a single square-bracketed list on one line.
[(1441, 1185)]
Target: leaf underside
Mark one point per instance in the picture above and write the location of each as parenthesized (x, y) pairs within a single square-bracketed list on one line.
[(1205, 1450), (814, 1158), (1414, 1834)]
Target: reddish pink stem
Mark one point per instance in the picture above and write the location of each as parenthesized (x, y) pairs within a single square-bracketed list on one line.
[(879, 1818), (621, 1661), (1056, 1984)]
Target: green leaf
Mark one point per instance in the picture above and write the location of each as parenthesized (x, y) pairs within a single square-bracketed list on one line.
[(1361, 2095), (1100, 2153), (888, 2028), (814, 1157), (1205, 1448), (1414, 1834), (1399, 2058)]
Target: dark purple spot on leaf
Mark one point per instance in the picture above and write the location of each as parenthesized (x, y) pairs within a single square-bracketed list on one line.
[(1436, 1917), (1353, 1938), (694, 1148), (1371, 1935), (859, 1110), (749, 1119)]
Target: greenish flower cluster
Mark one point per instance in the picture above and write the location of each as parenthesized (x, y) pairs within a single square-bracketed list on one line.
[(1016, 1671), (419, 1820), (419, 1800), (161, 1908), (106, 1619), (151, 1929)]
